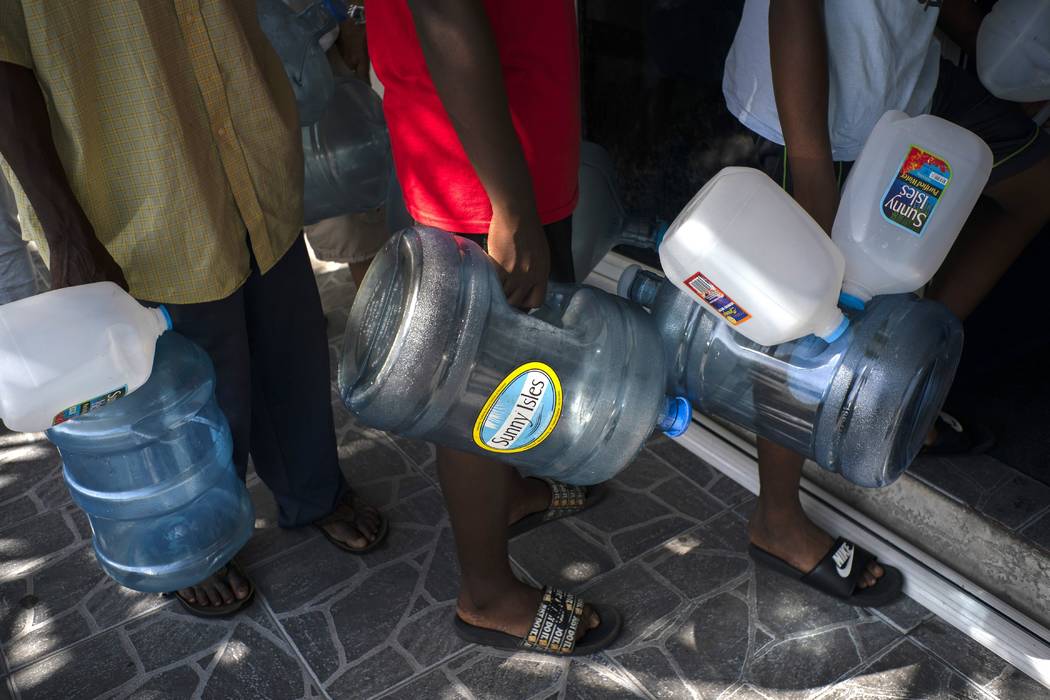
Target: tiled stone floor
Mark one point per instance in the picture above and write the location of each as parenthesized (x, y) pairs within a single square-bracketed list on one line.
[(667, 547)]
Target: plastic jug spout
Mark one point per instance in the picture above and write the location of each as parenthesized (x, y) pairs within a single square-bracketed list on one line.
[(638, 285), (676, 416), (162, 318), (832, 327), (854, 297)]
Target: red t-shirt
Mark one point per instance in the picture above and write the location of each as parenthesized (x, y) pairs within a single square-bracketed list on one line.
[(539, 53)]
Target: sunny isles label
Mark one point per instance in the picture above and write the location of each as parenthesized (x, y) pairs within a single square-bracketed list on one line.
[(521, 412)]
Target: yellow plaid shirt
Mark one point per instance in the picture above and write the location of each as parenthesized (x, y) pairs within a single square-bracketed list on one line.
[(178, 132)]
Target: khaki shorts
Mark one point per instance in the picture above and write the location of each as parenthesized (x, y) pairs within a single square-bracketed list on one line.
[(351, 238)]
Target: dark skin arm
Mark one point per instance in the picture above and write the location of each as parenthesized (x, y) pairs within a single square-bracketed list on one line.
[(352, 46), (461, 54), (960, 20), (799, 56), (77, 256)]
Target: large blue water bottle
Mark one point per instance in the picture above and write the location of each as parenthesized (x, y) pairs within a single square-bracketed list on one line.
[(860, 406), (295, 36), (154, 474)]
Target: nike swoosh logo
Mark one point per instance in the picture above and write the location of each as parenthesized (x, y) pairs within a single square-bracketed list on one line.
[(844, 560)]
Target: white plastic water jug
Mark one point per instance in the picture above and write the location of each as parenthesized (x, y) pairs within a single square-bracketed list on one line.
[(1013, 50), (905, 201), (755, 258), (69, 351)]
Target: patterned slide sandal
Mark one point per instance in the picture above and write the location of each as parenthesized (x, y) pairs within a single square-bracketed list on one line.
[(566, 500), (553, 630), (839, 574)]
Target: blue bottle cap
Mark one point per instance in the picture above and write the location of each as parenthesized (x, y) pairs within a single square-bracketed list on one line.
[(661, 231), (167, 315), (848, 301), (337, 9), (837, 333), (678, 414)]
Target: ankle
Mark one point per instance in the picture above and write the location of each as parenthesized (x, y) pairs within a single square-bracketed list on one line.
[(769, 520), (489, 597)]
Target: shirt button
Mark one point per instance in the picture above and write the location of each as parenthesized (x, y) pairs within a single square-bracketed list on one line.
[(190, 19), (221, 131)]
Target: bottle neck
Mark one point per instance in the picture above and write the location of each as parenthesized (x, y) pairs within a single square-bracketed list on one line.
[(640, 286), (161, 319)]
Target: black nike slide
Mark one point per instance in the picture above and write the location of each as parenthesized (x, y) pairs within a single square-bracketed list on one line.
[(554, 628), (839, 574)]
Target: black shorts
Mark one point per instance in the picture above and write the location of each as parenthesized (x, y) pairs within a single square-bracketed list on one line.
[(1016, 142)]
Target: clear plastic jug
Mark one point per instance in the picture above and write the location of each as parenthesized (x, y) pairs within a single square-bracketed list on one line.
[(155, 476), (346, 154), (860, 406), (600, 222), (296, 37), (905, 201), (433, 351), (751, 255), (1013, 50), (69, 351)]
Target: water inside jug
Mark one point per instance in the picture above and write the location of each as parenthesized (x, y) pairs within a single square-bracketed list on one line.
[(433, 351), (905, 201), (154, 474), (860, 406), (746, 251)]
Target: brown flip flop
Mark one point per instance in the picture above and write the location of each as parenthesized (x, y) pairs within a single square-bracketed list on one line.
[(219, 610), (336, 516)]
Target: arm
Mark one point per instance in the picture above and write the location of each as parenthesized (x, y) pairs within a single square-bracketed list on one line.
[(352, 46), (464, 64), (799, 57), (76, 255), (960, 20)]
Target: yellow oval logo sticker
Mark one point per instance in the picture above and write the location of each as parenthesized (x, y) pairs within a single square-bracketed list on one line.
[(521, 412)]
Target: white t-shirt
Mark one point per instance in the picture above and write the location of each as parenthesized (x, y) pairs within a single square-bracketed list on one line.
[(882, 55)]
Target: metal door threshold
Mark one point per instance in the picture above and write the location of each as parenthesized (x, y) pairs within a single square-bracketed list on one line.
[(974, 610)]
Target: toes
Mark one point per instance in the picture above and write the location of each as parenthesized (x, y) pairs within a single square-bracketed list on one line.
[(238, 585), (200, 596), (187, 595), (224, 592), (213, 594), (875, 570)]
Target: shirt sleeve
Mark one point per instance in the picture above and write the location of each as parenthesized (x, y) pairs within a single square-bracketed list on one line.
[(14, 38)]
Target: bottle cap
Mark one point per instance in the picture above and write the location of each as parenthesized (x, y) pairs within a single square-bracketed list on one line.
[(678, 414), (851, 302), (167, 316), (623, 287), (837, 333)]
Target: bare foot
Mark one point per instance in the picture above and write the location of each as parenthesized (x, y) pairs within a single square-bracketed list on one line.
[(352, 523), (793, 537), (514, 612), (528, 495), (221, 588)]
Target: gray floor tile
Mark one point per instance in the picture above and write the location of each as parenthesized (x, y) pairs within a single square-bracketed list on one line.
[(293, 580), (29, 544), (179, 683), (588, 680), (640, 598), (55, 634), (805, 665), (959, 651), (906, 671), (429, 685), (492, 676), (688, 499), (368, 612), (559, 556), (622, 509), (27, 461), (647, 470), (1039, 532), (730, 492), (651, 669), (254, 665), (84, 671), (698, 571), (1016, 501), (905, 614), (428, 638), (683, 460), (372, 676), (711, 643), (635, 541), (787, 607), (1014, 685)]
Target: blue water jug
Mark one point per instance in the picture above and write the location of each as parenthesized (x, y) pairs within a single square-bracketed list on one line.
[(154, 474), (434, 351), (600, 222), (346, 154), (860, 406), (295, 37)]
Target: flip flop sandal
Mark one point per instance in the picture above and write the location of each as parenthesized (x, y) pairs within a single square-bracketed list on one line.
[(566, 500), (218, 610), (954, 437), (839, 574), (336, 516), (553, 629)]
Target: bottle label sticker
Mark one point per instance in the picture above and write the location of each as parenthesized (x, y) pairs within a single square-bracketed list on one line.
[(912, 196), (88, 406), (521, 412), (717, 299)]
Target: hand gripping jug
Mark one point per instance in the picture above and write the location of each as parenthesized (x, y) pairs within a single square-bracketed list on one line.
[(599, 222), (905, 201), (295, 36), (346, 154), (69, 351), (154, 474), (433, 351), (753, 257), (1013, 50), (860, 406)]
